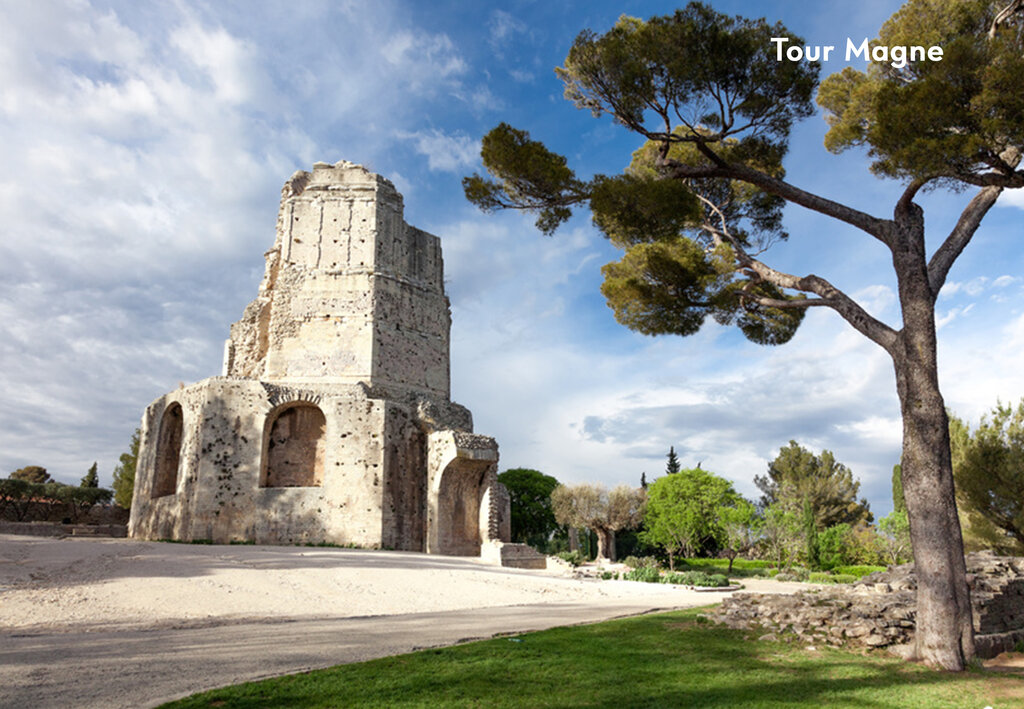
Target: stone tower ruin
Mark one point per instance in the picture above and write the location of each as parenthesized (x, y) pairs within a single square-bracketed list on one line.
[(331, 422)]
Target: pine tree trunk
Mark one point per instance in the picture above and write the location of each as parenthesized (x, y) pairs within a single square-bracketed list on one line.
[(945, 634)]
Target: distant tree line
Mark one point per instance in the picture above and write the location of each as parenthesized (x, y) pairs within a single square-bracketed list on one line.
[(30, 494), (810, 513)]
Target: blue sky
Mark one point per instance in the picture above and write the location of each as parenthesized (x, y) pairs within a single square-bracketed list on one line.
[(144, 146)]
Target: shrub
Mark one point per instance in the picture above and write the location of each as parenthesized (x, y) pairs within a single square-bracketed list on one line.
[(857, 571), (825, 577), (696, 578), (796, 573), (640, 562), (609, 575), (644, 573), (574, 558)]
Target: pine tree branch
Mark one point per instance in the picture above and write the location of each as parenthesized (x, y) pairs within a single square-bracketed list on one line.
[(881, 229), (970, 219), (944, 257)]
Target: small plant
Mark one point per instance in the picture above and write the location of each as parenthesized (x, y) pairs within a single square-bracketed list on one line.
[(609, 575), (794, 573), (640, 562), (646, 574), (573, 558), (696, 578), (858, 571), (825, 577)]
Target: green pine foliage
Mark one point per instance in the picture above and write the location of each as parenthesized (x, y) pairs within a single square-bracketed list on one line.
[(988, 464), (124, 473), (91, 478)]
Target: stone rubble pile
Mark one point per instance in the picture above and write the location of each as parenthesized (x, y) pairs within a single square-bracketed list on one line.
[(879, 610)]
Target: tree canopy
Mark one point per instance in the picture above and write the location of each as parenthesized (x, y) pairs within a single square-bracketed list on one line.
[(124, 473), (988, 464), (92, 478), (596, 508), (797, 477), (672, 464), (684, 511), (533, 520), (31, 474)]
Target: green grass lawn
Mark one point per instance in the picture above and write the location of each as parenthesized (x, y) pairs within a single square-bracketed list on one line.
[(665, 660)]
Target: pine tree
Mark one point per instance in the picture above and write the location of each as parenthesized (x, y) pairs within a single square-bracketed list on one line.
[(673, 462), (124, 474), (92, 478), (898, 503)]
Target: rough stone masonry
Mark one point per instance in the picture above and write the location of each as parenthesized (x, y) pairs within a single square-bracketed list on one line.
[(332, 420)]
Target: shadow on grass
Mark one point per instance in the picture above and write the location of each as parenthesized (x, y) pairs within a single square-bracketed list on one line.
[(667, 660)]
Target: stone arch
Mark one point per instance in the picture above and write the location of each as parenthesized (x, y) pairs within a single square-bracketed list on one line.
[(294, 442), (168, 451), (458, 507)]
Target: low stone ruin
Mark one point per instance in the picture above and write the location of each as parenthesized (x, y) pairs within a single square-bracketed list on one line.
[(879, 610)]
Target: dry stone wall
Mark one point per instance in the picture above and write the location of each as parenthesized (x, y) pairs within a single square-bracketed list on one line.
[(879, 611)]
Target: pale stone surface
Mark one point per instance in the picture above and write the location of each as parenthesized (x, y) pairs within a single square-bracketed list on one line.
[(332, 421)]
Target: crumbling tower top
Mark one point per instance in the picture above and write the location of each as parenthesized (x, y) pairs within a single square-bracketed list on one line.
[(351, 293)]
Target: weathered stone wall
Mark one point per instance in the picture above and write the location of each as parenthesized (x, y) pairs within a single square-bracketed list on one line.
[(350, 293), (332, 422)]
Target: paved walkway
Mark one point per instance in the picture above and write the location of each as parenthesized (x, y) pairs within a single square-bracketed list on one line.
[(144, 668)]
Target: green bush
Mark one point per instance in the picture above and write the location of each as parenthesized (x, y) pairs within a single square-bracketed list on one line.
[(609, 575), (724, 563), (696, 578), (575, 558), (795, 573), (857, 571), (825, 577), (646, 574), (640, 562)]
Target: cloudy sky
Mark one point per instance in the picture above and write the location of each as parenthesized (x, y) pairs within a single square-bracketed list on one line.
[(144, 146)]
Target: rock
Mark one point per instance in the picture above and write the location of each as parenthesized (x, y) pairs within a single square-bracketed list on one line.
[(880, 610)]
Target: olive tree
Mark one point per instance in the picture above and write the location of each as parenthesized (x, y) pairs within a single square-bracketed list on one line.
[(700, 205), (598, 509)]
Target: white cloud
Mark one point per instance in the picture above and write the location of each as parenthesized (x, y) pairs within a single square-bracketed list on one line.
[(446, 153), (943, 319), (1012, 198), (230, 63), (503, 27), (522, 77), (423, 55), (973, 287)]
